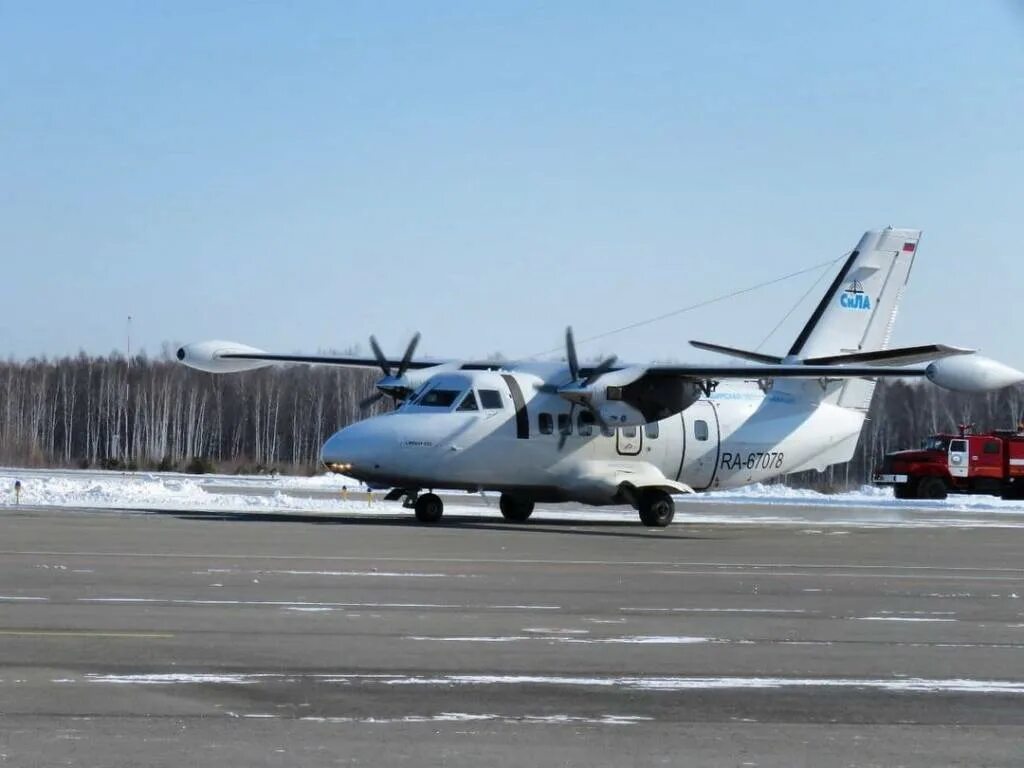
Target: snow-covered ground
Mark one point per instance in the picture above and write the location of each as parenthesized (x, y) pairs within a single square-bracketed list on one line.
[(761, 504)]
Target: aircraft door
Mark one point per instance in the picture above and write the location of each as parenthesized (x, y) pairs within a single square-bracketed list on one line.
[(628, 440), (700, 455), (958, 455)]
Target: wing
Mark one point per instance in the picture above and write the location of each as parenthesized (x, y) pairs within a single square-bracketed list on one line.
[(232, 357)]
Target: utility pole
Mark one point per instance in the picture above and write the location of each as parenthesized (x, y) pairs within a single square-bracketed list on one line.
[(127, 384)]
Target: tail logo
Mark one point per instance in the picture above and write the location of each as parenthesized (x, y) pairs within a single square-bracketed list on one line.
[(854, 297)]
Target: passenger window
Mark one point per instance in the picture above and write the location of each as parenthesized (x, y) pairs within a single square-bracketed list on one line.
[(545, 423), (564, 424), (468, 402), (651, 430), (585, 423), (490, 399), (700, 429), (629, 431), (991, 446), (960, 446)]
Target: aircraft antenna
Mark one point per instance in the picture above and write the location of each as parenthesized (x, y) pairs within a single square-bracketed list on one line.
[(796, 304), (699, 305)]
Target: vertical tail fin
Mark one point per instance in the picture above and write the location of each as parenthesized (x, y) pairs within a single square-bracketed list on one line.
[(857, 312)]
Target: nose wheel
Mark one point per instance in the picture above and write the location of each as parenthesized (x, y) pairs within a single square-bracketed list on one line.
[(429, 508)]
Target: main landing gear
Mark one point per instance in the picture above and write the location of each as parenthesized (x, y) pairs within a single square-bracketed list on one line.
[(515, 510), (656, 508), (429, 508)]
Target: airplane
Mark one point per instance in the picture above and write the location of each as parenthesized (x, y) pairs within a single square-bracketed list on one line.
[(611, 433)]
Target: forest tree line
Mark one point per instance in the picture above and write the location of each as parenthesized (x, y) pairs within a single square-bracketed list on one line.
[(109, 412)]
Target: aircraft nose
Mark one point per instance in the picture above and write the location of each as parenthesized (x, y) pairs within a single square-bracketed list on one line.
[(359, 449)]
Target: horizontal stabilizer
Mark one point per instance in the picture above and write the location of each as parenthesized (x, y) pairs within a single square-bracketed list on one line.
[(925, 353), (786, 371), (742, 354)]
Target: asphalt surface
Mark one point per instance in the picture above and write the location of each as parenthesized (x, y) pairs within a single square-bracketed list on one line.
[(185, 638)]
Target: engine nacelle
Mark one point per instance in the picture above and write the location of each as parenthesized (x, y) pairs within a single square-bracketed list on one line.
[(208, 356), (633, 397), (972, 373)]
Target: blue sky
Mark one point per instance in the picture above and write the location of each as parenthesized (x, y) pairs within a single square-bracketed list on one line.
[(300, 175)]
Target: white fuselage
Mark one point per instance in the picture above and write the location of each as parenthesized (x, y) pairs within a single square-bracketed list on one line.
[(738, 435)]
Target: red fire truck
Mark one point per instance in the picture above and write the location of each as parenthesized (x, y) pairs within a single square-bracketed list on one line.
[(991, 463)]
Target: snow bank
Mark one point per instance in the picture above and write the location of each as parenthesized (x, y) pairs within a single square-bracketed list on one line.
[(755, 504), (866, 496)]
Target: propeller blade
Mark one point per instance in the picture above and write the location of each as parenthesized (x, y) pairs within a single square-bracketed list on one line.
[(407, 357), (381, 360), (597, 416), (565, 434), (570, 354), (603, 367), (366, 402)]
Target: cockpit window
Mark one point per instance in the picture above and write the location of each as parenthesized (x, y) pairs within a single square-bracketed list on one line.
[(490, 399), (468, 402), (935, 444), (438, 398)]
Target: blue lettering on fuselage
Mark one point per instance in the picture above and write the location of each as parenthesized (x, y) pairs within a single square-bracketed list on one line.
[(854, 300)]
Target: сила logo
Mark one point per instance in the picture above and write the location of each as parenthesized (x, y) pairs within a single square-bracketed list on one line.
[(854, 297)]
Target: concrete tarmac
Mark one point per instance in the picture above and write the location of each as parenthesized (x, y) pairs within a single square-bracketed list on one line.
[(183, 638)]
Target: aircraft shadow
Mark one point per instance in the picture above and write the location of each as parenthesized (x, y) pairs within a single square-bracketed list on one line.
[(623, 529)]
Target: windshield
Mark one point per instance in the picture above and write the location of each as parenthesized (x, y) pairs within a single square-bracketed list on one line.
[(438, 398), (935, 444)]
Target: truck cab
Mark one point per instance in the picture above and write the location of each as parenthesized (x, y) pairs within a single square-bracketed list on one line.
[(989, 463)]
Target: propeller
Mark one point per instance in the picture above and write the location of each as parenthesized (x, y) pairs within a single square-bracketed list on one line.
[(574, 390), (394, 385)]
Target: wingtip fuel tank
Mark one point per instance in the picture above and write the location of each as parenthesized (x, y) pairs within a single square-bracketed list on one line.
[(972, 373), (209, 356)]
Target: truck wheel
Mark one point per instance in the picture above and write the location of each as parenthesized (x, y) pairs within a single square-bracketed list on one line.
[(904, 491), (932, 488), (1013, 491)]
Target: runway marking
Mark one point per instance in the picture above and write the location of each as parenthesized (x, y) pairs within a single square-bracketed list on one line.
[(19, 598), (629, 683), (380, 574), (910, 684), (898, 618), (84, 633), (179, 678), (300, 603), (576, 640), (466, 717), (641, 609), (841, 575), (520, 561)]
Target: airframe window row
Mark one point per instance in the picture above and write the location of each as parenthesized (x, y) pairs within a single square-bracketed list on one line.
[(585, 423)]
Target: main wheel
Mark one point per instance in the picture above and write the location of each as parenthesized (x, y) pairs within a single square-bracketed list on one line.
[(931, 488), (429, 508), (656, 508), (515, 510)]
